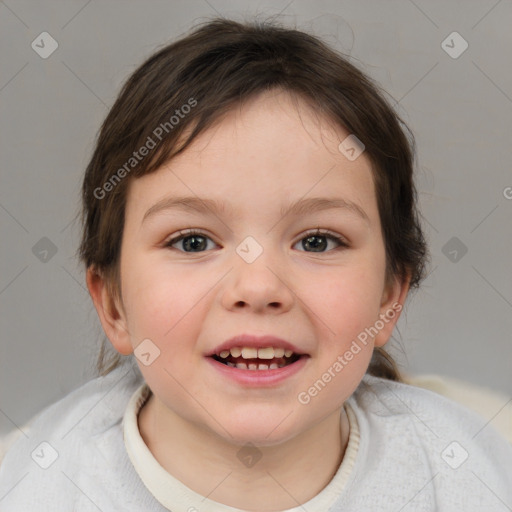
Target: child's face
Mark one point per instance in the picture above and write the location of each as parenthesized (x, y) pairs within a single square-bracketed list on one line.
[(255, 162)]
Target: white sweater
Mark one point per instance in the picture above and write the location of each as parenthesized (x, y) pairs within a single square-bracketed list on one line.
[(409, 450)]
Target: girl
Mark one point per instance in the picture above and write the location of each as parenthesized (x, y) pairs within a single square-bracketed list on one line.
[(250, 235)]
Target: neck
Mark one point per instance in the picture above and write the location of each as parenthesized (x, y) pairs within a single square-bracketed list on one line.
[(265, 478)]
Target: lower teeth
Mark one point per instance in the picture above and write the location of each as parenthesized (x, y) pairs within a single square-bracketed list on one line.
[(254, 366), (258, 364)]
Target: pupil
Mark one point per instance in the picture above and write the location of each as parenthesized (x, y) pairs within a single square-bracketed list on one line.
[(317, 247), (194, 242)]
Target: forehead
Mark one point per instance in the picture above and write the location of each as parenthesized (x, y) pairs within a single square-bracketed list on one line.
[(272, 148)]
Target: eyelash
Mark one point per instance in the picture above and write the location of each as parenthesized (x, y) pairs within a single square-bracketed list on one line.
[(318, 232)]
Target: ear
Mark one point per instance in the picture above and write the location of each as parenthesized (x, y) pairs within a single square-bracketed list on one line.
[(110, 312), (393, 299)]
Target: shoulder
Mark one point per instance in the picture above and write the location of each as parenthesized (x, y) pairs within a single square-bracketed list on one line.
[(382, 398), (90, 408), (82, 430), (492, 404), (421, 436)]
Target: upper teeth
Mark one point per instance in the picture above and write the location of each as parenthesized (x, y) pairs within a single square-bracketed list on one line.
[(256, 353)]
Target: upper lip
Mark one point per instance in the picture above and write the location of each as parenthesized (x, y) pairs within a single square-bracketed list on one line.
[(249, 340)]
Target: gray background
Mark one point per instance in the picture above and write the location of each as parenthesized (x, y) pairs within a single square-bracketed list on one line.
[(460, 110)]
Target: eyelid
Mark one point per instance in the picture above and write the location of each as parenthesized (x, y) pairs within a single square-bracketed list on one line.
[(324, 232), (183, 233)]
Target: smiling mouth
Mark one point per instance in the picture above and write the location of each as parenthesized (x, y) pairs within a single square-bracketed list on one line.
[(256, 359)]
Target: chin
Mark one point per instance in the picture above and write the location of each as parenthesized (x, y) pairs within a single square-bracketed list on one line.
[(259, 428)]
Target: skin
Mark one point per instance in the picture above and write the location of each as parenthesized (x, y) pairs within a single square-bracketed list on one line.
[(259, 157)]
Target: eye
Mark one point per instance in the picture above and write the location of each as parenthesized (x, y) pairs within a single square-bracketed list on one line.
[(190, 241), (318, 241), (194, 241)]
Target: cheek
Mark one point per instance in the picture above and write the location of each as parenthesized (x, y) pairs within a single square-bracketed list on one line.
[(158, 303), (348, 300), (349, 307), (168, 312)]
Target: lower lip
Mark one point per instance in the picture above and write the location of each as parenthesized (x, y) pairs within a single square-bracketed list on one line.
[(259, 378)]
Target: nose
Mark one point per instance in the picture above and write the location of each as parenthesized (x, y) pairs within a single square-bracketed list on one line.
[(258, 287)]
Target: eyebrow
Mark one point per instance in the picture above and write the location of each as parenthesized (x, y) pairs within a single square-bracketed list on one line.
[(301, 207)]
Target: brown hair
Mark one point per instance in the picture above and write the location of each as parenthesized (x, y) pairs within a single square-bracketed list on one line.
[(185, 87)]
